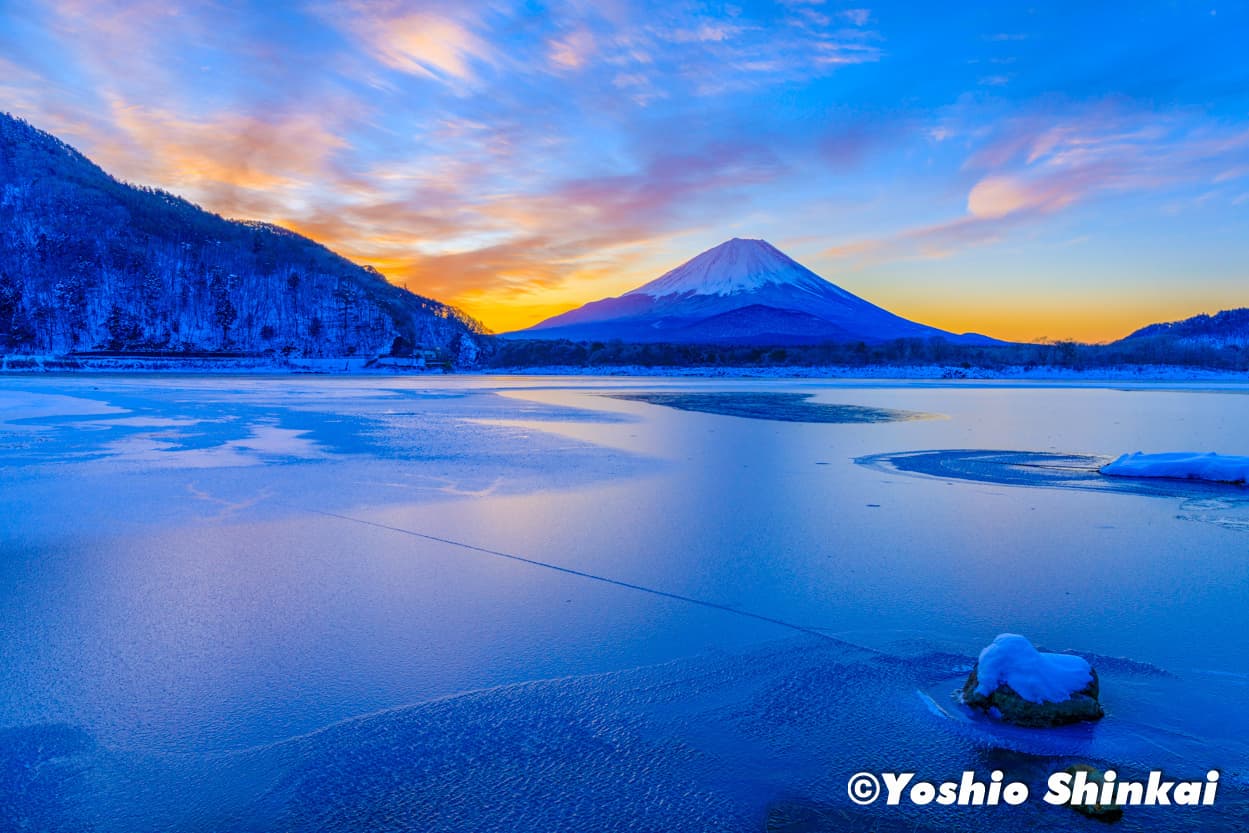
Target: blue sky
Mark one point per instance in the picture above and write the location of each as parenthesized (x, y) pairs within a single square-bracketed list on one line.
[(1059, 170)]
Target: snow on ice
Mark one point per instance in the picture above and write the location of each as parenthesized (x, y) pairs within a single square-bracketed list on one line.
[(1188, 465)]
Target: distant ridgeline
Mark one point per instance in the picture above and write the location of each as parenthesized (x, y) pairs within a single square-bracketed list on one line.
[(1219, 342), (1229, 328), (88, 263)]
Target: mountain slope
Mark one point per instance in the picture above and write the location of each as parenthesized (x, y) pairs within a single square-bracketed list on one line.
[(1229, 328), (740, 292), (91, 263)]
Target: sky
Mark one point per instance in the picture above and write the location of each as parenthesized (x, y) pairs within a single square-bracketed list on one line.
[(1057, 170)]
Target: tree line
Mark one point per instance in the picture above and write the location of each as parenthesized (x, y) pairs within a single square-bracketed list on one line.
[(88, 263), (1149, 350)]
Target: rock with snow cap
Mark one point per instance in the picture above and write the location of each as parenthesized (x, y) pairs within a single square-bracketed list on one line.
[(1021, 685)]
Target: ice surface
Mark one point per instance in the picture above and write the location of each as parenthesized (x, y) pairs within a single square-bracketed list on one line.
[(782, 407), (333, 628), (1034, 675), (714, 743), (1055, 470), (1190, 465)]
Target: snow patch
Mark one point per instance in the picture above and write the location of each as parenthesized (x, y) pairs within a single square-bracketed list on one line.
[(1035, 676), (1187, 465)]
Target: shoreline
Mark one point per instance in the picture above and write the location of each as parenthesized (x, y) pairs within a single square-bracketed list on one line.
[(1138, 373), (23, 365)]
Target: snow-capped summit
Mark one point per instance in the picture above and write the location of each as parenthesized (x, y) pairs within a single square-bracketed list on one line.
[(740, 292), (738, 265)]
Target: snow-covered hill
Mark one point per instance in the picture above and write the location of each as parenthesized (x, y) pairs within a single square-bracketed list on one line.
[(88, 263), (740, 292), (1229, 328)]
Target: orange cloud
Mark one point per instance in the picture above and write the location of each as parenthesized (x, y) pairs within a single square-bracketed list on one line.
[(526, 178), (239, 164), (432, 44), (514, 258)]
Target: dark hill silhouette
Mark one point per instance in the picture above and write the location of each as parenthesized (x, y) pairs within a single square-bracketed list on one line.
[(91, 263)]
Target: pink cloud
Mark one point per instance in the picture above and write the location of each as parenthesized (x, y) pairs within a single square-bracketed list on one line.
[(1036, 166), (998, 196), (572, 51)]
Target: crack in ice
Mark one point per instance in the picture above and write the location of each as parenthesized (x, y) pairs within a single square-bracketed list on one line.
[(641, 588)]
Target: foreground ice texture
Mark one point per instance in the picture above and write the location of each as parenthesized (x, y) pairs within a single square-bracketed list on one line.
[(1187, 465), (731, 742), (241, 604), (1035, 676)]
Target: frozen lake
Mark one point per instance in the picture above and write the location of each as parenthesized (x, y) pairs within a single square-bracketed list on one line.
[(537, 604)]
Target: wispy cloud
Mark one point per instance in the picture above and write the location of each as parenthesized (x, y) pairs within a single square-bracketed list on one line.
[(573, 50), (1043, 163), (521, 243), (514, 160), (231, 149), (429, 42), (859, 17)]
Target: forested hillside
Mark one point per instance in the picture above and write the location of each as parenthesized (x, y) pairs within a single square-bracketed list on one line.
[(906, 352), (1229, 328), (90, 263)]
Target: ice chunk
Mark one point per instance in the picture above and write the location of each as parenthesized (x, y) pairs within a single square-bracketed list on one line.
[(1035, 676), (1191, 465)]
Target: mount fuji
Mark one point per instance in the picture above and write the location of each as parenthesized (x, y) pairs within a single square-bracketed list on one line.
[(740, 292)]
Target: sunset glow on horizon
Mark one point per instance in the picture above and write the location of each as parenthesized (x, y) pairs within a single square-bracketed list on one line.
[(1065, 172)]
